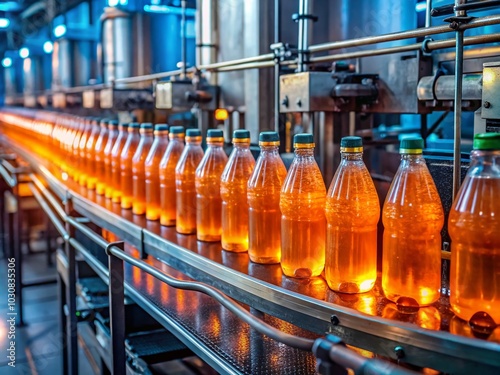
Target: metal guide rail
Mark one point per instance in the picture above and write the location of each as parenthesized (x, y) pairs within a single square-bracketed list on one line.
[(366, 321)]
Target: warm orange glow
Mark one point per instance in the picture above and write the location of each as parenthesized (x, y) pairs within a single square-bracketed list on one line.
[(221, 114)]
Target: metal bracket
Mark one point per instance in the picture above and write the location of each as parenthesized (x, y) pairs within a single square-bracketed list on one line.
[(118, 244)]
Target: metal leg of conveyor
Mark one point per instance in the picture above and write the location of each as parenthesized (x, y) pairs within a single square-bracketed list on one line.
[(71, 323), (116, 310), (61, 291), (15, 231)]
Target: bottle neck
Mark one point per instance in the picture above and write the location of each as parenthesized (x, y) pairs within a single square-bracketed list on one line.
[(242, 146), (304, 152), (485, 162), (214, 145), (269, 150), (193, 143), (412, 157), (351, 156)]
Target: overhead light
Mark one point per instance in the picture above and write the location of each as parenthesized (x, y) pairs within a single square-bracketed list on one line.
[(7, 62), (59, 31), (113, 3), (10, 6), (4, 23), (48, 47), (24, 52)]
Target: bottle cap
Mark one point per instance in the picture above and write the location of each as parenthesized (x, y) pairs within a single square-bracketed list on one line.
[(241, 136), (487, 141), (112, 124), (177, 130), (215, 133), (161, 127), (269, 137), (351, 144), (304, 140), (193, 133), (133, 127), (411, 145), (123, 125), (104, 122), (147, 126)]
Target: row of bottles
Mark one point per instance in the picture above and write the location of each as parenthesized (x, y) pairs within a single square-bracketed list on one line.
[(289, 217)]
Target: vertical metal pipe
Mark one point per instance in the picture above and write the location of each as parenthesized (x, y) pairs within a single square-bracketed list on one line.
[(184, 39), (305, 8), (277, 67), (199, 28), (428, 19), (17, 232), (457, 133)]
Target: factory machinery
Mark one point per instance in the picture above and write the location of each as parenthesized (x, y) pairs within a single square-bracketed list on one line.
[(151, 294)]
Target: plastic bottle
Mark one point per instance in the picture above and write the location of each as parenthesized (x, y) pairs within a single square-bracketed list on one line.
[(233, 191), (138, 172), (151, 171), (78, 165), (303, 223), (100, 144), (108, 180), (167, 176), (185, 183), (352, 213), (128, 152), (264, 215), (208, 199), (116, 151), (474, 227), (413, 217), (82, 151), (90, 154)]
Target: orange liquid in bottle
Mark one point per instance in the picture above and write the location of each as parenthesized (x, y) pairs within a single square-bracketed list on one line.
[(90, 155), (167, 176), (233, 189), (185, 183), (116, 151), (138, 171), (128, 152), (413, 217), (77, 170), (352, 213), (108, 180), (208, 199), (152, 174), (303, 223), (100, 144), (474, 227), (264, 215), (82, 147)]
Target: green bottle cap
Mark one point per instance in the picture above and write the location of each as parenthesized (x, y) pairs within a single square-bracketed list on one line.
[(269, 137), (147, 126), (161, 127), (304, 140), (487, 141), (241, 134), (177, 130), (215, 133), (193, 133), (351, 144), (411, 145)]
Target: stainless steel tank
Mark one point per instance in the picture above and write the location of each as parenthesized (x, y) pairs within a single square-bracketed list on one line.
[(62, 57), (116, 42), (32, 75)]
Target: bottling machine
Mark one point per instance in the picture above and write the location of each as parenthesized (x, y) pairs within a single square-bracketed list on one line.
[(376, 69)]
